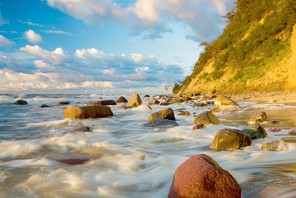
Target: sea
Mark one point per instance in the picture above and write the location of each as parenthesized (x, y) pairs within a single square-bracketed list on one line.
[(126, 158)]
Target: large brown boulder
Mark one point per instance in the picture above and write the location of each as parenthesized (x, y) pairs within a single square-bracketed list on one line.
[(256, 131), (84, 112), (121, 99), (200, 176), (230, 139), (206, 118), (167, 114), (224, 101), (134, 101), (101, 102)]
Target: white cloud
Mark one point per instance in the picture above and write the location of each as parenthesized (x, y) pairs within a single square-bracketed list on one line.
[(137, 58), (5, 42), (56, 32), (56, 57), (41, 64), (33, 37), (151, 18), (89, 53)]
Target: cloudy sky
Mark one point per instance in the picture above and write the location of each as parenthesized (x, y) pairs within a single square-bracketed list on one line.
[(91, 45)]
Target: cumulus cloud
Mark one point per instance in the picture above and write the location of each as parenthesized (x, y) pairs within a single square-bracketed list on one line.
[(5, 42), (32, 37), (152, 18), (56, 57)]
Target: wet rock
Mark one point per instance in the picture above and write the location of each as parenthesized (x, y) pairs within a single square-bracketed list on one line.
[(167, 114), (20, 102), (85, 112), (123, 107), (134, 101), (274, 146), (292, 132), (121, 99), (80, 129), (200, 104), (224, 101), (164, 103), (261, 117), (256, 131), (198, 126), (200, 176), (230, 139), (176, 101), (44, 106), (63, 103), (184, 113), (206, 118), (146, 96), (274, 129), (73, 161), (153, 101), (160, 123), (289, 139), (142, 157), (101, 102)]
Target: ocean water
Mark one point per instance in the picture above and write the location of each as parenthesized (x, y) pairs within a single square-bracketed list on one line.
[(127, 158)]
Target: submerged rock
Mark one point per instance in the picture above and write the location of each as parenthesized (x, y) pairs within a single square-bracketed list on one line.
[(84, 112), (167, 114), (134, 101), (256, 131), (274, 146), (20, 102), (184, 113), (230, 139), (261, 117), (161, 123), (121, 99), (206, 118), (200, 176), (80, 129), (44, 106), (63, 103)]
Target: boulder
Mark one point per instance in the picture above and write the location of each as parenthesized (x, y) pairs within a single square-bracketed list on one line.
[(224, 101), (200, 176), (153, 101), (184, 113), (206, 118), (256, 131), (162, 123), (261, 117), (121, 99), (274, 146), (134, 101), (20, 102), (167, 114), (63, 103), (289, 139), (44, 106), (230, 139), (84, 112), (101, 102)]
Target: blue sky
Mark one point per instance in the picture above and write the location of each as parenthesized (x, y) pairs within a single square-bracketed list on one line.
[(88, 45)]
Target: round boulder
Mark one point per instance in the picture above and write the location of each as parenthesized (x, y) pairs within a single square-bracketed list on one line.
[(85, 112), (230, 139), (200, 176), (206, 118), (134, 101), (167, 114)]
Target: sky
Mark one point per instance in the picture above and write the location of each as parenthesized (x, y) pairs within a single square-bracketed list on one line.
[(55, 46)]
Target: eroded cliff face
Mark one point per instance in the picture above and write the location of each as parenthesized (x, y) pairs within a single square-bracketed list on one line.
[(292, 66)]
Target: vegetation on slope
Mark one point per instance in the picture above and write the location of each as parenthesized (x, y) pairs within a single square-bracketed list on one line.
[(257, 36)]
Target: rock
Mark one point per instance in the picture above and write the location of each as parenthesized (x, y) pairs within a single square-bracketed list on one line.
[(206, 118), (176, 101), (261, 117), (142, 157), (200, 176), (160, 123), (134, 101), (146, 96), (73, 161), (153, 101), (256, 131), (20, 102), (184, 113), (200, 104), (63, 103), (101, 102), (230, 139), (164, 103), (274, 129), (80, 129), (123, 107), (274, 146), (224, 101), (44, 106), (167, 114), (292, 132), (198, 126), (121, 99), (84, 112), (186, 98), (289, 139)]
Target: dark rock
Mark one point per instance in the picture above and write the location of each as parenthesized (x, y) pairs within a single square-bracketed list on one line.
[(161, 123), (230, 139), (64, 103), (134, 101), (84, 112), (121, 99), (167, 114), (200, 176), (261, 117), (73, 161), (256, 131), (164, 103), (198, 126), (184, 113), (44, 106), (206, 118), (274, 129), (146, 96), (20, 102), (80, 129)]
